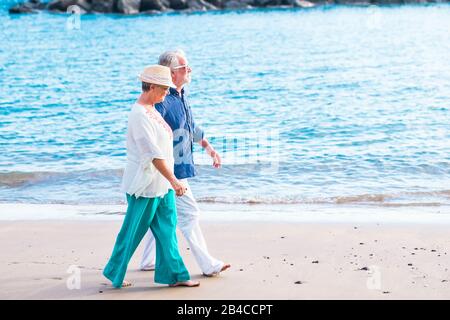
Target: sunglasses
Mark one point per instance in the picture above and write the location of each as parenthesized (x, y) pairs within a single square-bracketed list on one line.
[(182, 66)]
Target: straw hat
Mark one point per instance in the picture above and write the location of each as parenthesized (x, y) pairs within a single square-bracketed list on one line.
[(157, 74)]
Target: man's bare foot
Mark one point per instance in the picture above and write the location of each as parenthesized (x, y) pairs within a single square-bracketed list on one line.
[(224, 267), (126, 284), (188, 283)]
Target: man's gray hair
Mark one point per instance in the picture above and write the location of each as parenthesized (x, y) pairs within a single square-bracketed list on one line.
[(170, 58)]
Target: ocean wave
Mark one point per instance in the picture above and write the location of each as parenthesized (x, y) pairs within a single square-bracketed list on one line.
[(18, 178), (102, 186), (401, 199)]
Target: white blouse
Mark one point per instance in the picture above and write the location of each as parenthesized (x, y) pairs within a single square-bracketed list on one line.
[(148, 137)]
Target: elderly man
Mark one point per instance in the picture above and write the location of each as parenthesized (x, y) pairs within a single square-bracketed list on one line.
[(176, 111)]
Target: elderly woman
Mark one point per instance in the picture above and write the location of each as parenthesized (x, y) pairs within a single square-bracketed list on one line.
[(150, 186)]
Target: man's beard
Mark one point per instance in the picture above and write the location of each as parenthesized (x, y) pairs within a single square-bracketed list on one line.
[(187, 80)]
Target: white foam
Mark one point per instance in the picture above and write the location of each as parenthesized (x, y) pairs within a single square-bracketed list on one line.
[(22, 211), (231, 212)]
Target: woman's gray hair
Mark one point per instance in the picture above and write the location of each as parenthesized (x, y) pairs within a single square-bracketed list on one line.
[(170, 58)]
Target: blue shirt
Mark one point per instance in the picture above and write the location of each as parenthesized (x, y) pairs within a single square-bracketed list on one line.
[(176, 111)]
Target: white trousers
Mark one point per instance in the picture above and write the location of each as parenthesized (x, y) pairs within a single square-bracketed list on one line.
[(188, 214)]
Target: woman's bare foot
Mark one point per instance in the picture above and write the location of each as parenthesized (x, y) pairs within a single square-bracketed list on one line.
[(188, 283), (126, 284), (224, 267)]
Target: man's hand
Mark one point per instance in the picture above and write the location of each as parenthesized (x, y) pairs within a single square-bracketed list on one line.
[(217, 162)]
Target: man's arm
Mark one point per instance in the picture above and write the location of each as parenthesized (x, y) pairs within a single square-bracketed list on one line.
[(199, 136), (217, 162)]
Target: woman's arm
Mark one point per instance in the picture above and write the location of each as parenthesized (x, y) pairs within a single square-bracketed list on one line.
[(161, 166)]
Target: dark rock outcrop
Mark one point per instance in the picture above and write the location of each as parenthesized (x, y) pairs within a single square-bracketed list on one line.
[(22, 8), (61, 5), (156, 6), (391, 1), (354, 2), (217, 3), (302, 4), (128, 6), (85, 5), (200, 5), (179, 4), (32, 6), (159, 5), (65, 6), (266, 3), (235, 4)]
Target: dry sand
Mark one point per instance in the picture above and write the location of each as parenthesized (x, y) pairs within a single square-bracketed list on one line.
[(269, 261)]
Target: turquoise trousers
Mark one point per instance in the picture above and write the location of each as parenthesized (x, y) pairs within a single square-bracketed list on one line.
[(160, 215)]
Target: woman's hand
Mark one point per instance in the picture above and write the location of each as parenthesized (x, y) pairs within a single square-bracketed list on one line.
[(179, 188)]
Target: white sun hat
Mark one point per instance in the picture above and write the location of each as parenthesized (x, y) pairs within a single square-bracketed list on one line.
[(157, 74)]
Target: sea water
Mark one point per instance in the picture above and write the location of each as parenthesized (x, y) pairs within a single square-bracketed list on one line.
[(331, 105)]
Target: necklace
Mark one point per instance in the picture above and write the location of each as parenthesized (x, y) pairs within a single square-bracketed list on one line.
[(155, 115)]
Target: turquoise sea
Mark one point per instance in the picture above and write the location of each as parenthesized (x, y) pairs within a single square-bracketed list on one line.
[(334, 105)]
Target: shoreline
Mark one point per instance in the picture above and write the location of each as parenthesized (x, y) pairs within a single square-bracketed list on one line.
[(280, 213), (270, 260)]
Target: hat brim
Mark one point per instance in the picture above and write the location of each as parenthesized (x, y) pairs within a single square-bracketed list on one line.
[(158, 82)]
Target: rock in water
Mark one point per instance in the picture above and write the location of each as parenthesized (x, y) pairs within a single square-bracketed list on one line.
[(149, 5), (392, 1), (265, 3), (22, 8), (302, 4), (217, 3), (128, 6), (84, 4), (243, 4), (29, 7), (200, 5), (156, 6), (178, 4), (102, 6), (61, 5), (354, 2)]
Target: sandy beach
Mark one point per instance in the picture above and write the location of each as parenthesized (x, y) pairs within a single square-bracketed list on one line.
[(270, 260), (311, 143)]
